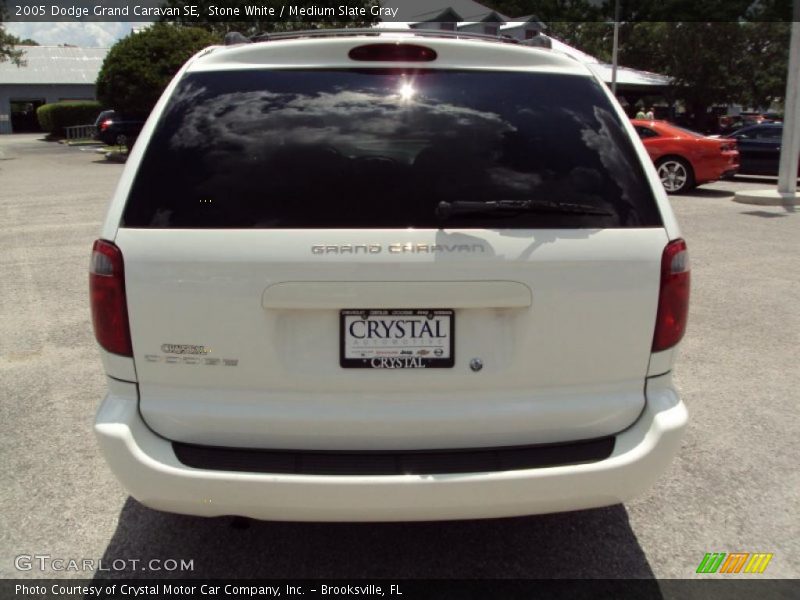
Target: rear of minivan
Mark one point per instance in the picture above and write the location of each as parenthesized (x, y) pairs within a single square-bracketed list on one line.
[(395, 277)]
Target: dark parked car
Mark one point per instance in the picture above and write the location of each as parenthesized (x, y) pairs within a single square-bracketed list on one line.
[(106, 114), (759, 148), (114, 129), (728, 124)]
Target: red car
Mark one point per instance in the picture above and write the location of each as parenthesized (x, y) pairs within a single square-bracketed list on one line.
[(685, 159)]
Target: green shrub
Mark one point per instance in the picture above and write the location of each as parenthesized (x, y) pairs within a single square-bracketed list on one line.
[(43, 114), (53, 118), (138, 67)]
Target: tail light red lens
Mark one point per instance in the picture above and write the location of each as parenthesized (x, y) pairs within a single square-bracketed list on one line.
[(673, 299), (107, 292), (105, 124), (393, 52)]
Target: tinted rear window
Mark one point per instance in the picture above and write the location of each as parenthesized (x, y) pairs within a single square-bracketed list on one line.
[(381, 149)]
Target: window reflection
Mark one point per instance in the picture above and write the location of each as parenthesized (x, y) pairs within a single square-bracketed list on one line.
[(382, 148)]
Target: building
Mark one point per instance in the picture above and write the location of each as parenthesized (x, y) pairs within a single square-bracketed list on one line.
[(464, 15), (523, 28), (48, 74), (488, 25), (630, 82), (467, 15)]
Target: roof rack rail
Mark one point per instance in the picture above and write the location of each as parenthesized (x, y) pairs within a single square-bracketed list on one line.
[(234, 37), (374, 32)]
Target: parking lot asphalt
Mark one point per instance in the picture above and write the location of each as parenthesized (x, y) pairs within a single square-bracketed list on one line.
[(735, 486)]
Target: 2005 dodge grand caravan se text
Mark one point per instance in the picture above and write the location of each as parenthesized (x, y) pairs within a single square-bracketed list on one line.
[(352, 277)]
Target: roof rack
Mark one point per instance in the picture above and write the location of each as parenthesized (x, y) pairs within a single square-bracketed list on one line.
[(237, 38)]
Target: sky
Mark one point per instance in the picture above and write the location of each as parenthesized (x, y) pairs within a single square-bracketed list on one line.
[(87, 34)]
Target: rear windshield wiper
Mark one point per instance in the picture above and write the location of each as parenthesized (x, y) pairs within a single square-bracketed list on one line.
[(445, 210)]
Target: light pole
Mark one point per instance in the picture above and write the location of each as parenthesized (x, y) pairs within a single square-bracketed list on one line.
[(615, 50), (790, 143), (786, 194)]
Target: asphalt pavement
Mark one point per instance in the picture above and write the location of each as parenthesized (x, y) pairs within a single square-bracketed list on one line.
[(733, 488)]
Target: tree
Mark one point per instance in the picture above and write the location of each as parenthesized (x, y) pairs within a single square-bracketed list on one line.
[(722, 62), (551, 11), (8, 41), (8, 51), (713, 63), (716, 51), (593, 37), (139, 66), (767, 49), (640, 11), (255, 25)]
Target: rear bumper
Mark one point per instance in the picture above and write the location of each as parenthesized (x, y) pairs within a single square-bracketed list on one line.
[(716, 170), (147, 466)]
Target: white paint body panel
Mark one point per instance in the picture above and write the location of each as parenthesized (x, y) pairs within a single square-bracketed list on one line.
[(298, 295), (116, 366), (570, 365)]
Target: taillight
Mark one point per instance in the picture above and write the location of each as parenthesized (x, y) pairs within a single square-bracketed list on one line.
[(105, 124), (673, 298), (107, 292), (393, 52)]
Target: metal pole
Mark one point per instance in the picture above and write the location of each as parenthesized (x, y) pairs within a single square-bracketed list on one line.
[(790, 142), (615, 50)]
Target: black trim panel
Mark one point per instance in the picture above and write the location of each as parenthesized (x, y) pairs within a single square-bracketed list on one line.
[(396, 462)]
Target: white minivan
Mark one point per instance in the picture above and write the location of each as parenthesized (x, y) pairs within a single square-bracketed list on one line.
[(360, 276)]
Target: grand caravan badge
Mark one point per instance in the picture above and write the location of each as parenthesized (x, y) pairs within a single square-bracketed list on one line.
[(184, 349), (399, 248), (189, 354)]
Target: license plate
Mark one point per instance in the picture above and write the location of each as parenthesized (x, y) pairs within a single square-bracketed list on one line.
[(397, 339)]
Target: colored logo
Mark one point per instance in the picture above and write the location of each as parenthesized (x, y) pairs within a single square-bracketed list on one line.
[(734, 562)]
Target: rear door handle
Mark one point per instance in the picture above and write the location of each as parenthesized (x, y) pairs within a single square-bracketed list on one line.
[(298, 295)]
